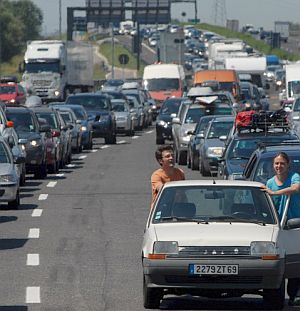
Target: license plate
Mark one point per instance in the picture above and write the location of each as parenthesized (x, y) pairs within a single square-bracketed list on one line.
[(214, 269)]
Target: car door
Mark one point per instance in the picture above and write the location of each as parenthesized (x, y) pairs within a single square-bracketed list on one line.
[(290, 239)]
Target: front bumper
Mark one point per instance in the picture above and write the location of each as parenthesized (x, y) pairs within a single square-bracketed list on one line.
[(254, 274), (34, 157), (164, 131)]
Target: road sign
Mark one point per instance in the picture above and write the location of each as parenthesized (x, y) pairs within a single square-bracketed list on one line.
[(123, 59)]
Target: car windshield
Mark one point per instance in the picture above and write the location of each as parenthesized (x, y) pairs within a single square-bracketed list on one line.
[(66, 117), (4, 157), (89, 102), (265, 171), (79, 113), (49, 117), (193, 115), (119, 107), (246, 93), (42, 67), (213, 204), (162, 84), (23, 122), (115, 82), (170, 106), (7, 89), (219, 129)]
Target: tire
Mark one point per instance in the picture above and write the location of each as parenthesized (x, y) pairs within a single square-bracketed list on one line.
[(194, 163), (90, 144), (41, 172), (23, 178), (274, 298), (111, 139), (53, 168), (151, 296), (182, 158), (16, 202), (159, 140)]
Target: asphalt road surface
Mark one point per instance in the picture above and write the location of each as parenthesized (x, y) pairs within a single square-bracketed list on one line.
[(75, 242)]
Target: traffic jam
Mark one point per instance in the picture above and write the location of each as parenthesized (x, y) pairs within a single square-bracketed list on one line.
[(229, 229)]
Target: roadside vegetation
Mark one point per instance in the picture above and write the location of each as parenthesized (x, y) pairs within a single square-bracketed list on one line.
[(256, 44)]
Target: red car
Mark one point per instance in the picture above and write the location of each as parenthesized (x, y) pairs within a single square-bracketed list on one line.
[(12, 93)]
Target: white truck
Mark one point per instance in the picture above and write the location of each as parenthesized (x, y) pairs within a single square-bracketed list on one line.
[(292, 74), (284, 29), (252, 65), (54, 68)]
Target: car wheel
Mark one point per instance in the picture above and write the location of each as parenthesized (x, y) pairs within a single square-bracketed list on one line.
[(159, 140), (181, 158), (23, 178), (16, 202), (90, 144), (41, 172), (53, 168), (274, 298), (152, 296), (111, 139), (194, 163)]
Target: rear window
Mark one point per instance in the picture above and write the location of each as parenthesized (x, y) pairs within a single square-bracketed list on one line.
[(89, 102)]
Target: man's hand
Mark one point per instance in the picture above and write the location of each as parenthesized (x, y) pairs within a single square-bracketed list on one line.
[(266, 189)]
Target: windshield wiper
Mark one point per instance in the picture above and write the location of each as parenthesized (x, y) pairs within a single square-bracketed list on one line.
[(183, 219), (236, 219), (239, 158)]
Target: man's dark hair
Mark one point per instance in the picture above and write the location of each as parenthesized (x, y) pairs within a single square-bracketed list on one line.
[(160, 149)]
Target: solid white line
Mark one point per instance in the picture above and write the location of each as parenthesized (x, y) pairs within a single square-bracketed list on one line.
[(82, 157), (33, 260), (104, 147), (60, 175), (43, 196), (121, 142), (94, 150), (135, 137), (34, 233), (33, 294), (149, 132), (71, 165), (37, 212), (52, 184)]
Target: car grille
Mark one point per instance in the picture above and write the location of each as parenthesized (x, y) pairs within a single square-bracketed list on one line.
[(211, 251), (41, 83), (216, 279)]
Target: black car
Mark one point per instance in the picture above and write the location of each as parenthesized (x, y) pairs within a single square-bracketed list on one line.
[(196, 139), (99, 109), (212, 148), (260, 165), (240, 147), (27, 127), (168, 111)]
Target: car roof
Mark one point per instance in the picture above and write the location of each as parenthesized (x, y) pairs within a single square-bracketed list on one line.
[(223, 119), (212, 182), (17, 108), (42, 109), (98, 94)]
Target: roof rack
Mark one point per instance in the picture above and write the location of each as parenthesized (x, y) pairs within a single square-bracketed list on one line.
[(264, 145)]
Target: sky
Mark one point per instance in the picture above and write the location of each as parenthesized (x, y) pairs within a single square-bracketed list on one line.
[(260, 13)]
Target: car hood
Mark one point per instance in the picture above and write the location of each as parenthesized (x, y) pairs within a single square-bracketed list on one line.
[(28, 135), (92, 114), (213, 234)]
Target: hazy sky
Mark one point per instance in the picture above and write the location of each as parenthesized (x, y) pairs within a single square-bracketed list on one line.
[(257, 12)]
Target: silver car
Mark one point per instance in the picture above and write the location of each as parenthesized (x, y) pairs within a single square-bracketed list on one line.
[(9, 177), (124, 119)]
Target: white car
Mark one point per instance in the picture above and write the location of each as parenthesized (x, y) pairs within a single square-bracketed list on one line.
[(218, 239)]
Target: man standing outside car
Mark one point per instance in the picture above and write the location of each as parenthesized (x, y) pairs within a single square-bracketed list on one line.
[(285, 183), (167, 172)]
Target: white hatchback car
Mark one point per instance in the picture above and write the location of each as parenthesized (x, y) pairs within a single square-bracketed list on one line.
[(218, 239)]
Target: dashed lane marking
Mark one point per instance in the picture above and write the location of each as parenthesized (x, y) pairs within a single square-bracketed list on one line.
[(135, 137), (33, 294), (71, 165), (121, 142), (82, 157), (94, 150), (33, 260), (34, 233), (60, 175), (149, 132), (43, 196), (104, 147), (52, 184), (37, 212)]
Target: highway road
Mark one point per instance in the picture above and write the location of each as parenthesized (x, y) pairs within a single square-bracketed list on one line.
[(75, 243)]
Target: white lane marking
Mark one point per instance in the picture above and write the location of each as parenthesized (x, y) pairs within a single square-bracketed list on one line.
[(104, 147), (149, 132), (135, 137), (37, 212), (33, 260), (71, 165), (33, 294), (43, 196), (94, 150), (52, 184), (121, 142), (34, 233), (82, 157), (60, 175)]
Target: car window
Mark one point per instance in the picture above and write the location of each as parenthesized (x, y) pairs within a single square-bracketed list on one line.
[(193, 115), (170, 106), (23, 122), (213, 203), (119, 107), (89, 102), (66, 116), (49, 117), (218, 129), (4, 157), (6, 89)]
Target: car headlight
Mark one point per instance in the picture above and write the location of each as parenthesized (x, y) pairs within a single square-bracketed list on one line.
[(165, 247), (35, 142), (162, 123), (56, 93), (153, 107), (214, 151), (23, 147), (266, 250), (83, 128), (12, 101), (279, 83), (7, 178), (121, 119)]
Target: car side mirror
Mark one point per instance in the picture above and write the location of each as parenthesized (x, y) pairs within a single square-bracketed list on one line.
[(173, 115), (64, 128), (200, 135), (70, 126), (78, 121), (176, 121), (10, 124), (223, 138), (293, 223), (22, 141)]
